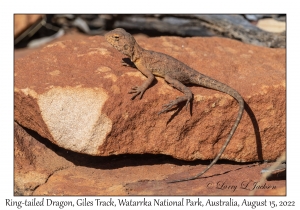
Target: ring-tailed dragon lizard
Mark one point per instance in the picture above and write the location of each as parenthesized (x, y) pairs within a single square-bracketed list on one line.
[(175, 73)]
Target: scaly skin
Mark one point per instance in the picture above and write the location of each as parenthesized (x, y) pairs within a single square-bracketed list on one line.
[(175, 73)]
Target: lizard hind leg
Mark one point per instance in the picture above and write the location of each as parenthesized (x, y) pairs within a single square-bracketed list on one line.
[(188, 95)]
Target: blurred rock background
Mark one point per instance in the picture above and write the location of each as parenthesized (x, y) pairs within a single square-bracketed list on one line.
[(262, 30)]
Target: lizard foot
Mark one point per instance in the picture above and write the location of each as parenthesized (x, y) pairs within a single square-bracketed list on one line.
[(168, 106), (137, 90)]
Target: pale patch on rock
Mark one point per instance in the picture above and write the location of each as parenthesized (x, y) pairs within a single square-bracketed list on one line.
[(54, 73), (96, 51), (134, 74), (115, 89), (231, 50), (220, 48), (264, 89), (198, 97), (102, 51), (223, 101), (125, 115), (191, 52), (74, 118), (167, 43), (281, 84), (113, 77), (27, 91), (165, 88), (102, 69), (59, 44), (245, 56), (49, 87), (222, 98)]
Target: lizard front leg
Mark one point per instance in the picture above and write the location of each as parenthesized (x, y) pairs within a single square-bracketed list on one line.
[(139, 90), (188, 95)]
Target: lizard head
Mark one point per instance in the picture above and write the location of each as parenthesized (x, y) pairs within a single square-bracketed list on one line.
[(121, 40)]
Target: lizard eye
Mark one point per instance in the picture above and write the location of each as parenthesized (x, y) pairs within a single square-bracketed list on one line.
[(116, 37)]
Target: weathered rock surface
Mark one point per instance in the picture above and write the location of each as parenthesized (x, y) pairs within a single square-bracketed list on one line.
[(33, 163), (42, 168), (74, 93)]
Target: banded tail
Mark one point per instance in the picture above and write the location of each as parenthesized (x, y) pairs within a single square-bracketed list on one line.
[(216, 85)]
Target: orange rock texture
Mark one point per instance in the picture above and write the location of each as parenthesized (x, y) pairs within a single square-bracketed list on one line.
[(74, 93), (42, 168)]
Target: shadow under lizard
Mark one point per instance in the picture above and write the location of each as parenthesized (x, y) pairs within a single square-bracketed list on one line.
[(175, 73)]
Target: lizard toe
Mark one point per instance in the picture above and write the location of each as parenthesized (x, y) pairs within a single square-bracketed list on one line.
[(187, 104), (167, 107), (135, 95), (134, 88)]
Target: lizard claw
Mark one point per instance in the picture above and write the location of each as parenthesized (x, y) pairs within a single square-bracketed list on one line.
[(134, 88), (187, 104), (123, 63), (167, 107), (136, 91)]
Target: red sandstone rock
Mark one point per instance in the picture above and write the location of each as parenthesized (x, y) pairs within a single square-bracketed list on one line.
[(74, 93), (34, 163), (42, 168)]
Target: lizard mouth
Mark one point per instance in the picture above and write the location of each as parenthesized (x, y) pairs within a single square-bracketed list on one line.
[(117, 47)]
